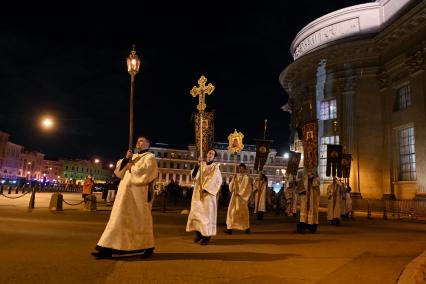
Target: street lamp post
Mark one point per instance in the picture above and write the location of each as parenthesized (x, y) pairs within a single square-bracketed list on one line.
[(133, 64)]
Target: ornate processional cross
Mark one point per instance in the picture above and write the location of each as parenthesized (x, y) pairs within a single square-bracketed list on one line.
[(201, 91)]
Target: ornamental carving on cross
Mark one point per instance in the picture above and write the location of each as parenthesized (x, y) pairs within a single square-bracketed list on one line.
[(201, 91)]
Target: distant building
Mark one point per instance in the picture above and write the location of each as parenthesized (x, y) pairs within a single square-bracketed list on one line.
[(273, 168), (4, 138), (18, 162), (176, 163), (52, 171), (12, 161), (32, 165), (75, 171), (360, 71)]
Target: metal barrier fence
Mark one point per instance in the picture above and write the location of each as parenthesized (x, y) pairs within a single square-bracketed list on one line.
[(391, 208), (8, 189)]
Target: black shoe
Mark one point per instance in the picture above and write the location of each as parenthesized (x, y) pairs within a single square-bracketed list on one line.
[(247, 231), (204, 241), (228, 231), (198, 237), (148, 252), (102, 254)]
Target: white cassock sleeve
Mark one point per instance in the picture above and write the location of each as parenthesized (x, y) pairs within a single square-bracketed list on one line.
[(244, 189), (144, 171), (119, 173), (212, 186)]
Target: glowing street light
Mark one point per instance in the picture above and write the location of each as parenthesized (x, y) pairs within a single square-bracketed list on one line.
[(47, 123), (133, 64), (286, 155), (96, 161), (111, 166)]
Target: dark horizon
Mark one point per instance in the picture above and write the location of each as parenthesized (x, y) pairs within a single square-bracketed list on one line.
[(70, 63)]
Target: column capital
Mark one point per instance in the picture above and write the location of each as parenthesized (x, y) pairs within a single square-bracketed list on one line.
[(348, 83), (415, 61), (383, 79)]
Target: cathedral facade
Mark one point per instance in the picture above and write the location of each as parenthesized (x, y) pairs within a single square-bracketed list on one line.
[(360, 73)]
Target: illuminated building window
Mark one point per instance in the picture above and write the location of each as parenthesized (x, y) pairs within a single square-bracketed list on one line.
[(328, 110), (407, 154), (403, 97), (323, 154)]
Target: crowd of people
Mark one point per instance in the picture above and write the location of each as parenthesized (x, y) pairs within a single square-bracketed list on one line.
[(130, 227)]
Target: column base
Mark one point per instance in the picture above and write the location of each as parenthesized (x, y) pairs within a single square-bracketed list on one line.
[(420, 196), (356, 195), (388, 196)]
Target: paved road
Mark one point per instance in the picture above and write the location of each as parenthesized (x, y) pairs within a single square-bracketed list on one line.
[(39, 246)]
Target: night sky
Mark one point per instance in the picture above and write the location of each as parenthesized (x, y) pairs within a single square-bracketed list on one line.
[(69, 62)]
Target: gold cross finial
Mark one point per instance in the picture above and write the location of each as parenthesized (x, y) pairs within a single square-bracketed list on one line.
[(201, 91)]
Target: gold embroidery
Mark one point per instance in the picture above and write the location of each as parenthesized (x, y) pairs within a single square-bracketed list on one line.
[(208, 173)]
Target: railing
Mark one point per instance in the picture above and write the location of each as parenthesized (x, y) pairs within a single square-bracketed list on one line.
[(8, 189), (391, 208)]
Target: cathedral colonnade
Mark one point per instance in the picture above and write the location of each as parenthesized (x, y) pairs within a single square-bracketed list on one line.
[(360, 71)]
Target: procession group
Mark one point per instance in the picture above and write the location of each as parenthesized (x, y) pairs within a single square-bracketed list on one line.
[(130, 227)]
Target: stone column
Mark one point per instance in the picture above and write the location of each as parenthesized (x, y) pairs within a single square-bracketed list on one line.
[(387, 97), (348, 133), (416, 65)]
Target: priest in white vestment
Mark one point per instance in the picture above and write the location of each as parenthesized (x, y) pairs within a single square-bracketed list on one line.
[(260, 188), (309, 202), (129, 229), (346, 202), (334, 192), (238, 213), (202, 218)]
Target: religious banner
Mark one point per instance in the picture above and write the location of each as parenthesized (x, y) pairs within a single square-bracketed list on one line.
[(346, 165), (262, 151), (310, 145), (293, 163), (334, 160), (208, 131), (235, 145), (235, 142)]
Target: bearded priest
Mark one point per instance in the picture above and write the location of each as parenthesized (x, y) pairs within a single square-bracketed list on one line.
[(129, 229)]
